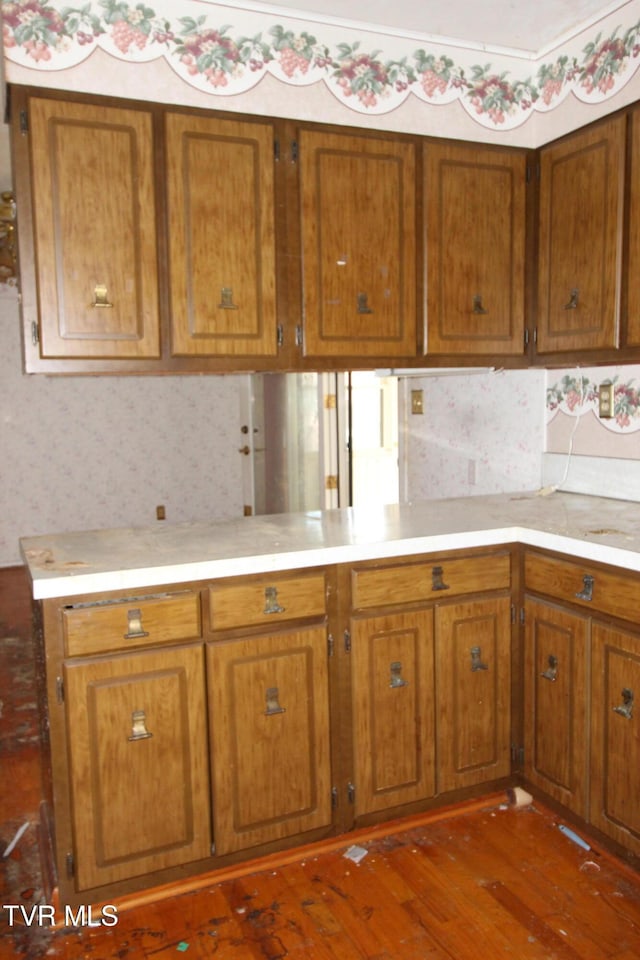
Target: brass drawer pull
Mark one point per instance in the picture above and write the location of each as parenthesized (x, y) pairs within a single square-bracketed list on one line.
[(135, 631), (551, 673), (587, 590), (437, 582), (273, 705), (271, 604), (139, 726), (573, 300), (101, 296), (226, 299), (626, 707), (397, 680), (476, 660), (477, 304), (363, 306)]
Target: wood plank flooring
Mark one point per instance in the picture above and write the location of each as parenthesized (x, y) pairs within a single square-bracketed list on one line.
[(476, 882)]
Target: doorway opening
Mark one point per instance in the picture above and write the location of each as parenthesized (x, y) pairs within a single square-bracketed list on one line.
[(314, 441)]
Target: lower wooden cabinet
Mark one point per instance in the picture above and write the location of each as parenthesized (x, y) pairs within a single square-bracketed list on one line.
[(473, 692), (582, 676), (615, 734), (138, 764), (269, 730), (431, 683), (393, 710), (555, 702)]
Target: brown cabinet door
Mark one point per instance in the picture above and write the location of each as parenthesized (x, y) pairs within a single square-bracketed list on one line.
[(473, 677), (95, 231), (269, 730), (393, 710), (220, 184), (615, 766), (632, 334), (136, 730), (475, 225), (581, 195), (555, 703), (358, 225)]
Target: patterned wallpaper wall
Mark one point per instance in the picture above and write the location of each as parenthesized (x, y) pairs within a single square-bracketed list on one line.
[(92, 452), (480, 433)]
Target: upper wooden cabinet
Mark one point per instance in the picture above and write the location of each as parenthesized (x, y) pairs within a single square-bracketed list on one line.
[(632, 326), (475, 204), (92, 288), (222, 269), (580, 242), (358, 223)]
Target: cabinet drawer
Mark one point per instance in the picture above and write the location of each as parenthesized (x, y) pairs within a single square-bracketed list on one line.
[(256, 602), (131, 623), (615, 594), (435, 580)]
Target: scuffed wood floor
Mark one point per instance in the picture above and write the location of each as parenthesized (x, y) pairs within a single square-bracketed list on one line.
[(476, 883)]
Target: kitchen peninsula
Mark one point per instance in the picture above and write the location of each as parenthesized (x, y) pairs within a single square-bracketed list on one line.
[(281, 679)]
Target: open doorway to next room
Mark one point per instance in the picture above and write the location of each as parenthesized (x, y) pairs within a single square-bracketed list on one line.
[(314, 441)]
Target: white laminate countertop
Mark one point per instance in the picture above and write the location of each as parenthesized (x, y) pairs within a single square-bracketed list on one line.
[(70, 564)]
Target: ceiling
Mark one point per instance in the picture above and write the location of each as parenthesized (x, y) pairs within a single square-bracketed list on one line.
[(526, 26)]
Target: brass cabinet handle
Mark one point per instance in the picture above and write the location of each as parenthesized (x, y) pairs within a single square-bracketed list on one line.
[(476, 660), (397, 680), (271, 604), (587, 590), (437, 583), (551, 673), (134, 620), (625, 709), (477, 304), (226, 299), (139, 726), (573, 300), (101, 296), (363, 306), (273, 705)]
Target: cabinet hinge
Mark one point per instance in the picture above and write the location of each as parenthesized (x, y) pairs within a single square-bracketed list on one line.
[(526, 337), (351, 792), (522, 615), (213, 849), (35, 334), (24, 122), (535, 334), (334, 798), (331, 481), (294, 151), (279, 334), (331, 645), (517, 754), (528, 177), (59, 689), (70, 865), (347, 642), (298, 336), (276, 150)]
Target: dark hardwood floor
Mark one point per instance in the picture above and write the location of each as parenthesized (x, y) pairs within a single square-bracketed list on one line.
[(482, 880)]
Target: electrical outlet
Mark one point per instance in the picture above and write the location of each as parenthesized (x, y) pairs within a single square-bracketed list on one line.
[(605, 400)]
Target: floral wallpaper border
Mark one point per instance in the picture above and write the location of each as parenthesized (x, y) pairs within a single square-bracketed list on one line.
[(225, 58), (576, 395)]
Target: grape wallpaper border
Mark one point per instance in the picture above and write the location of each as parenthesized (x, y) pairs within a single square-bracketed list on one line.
[(227, 50), (576, 394)]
